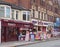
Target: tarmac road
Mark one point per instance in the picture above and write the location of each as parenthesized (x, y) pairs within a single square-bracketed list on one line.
[(55, 43)]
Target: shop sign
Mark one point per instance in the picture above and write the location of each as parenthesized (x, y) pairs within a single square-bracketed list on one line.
[(35, 22), (26, 25), (45, 23), (40, 23), (11, 24)]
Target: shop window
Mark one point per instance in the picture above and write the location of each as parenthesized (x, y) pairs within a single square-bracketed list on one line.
[(2, 11), (8, 12)]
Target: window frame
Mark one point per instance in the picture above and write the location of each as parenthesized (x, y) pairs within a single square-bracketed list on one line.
[(17, 14), (4, 11), (12, 14), (24, 13), (27, 15), (5, 7)]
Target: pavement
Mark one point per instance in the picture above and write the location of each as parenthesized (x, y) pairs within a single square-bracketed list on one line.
[(22, 43)]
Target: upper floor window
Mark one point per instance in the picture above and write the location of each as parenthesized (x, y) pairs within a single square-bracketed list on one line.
[(16, 14), (56, 10), (49, 7), (39, 14), (50, 18), (26, 16), (55, 1), (42, 15), (33, 13), (42, 2), (12, 14), (36, 14), (32, 1), (2, 11), (5, 11), (8, 12)]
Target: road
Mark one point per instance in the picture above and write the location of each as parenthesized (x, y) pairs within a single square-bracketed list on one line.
[(55, 43)]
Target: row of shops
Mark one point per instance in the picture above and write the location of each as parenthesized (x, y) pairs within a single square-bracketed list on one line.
[(43, 25), (10, 30)]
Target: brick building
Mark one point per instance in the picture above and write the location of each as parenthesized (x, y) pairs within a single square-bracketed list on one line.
[(42, 13), (51, 7)]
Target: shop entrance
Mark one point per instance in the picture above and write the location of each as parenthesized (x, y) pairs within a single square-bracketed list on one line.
[(23, 34)]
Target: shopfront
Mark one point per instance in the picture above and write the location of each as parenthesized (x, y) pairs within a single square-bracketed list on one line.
[(42, 25), (39, 25), (10, 29)]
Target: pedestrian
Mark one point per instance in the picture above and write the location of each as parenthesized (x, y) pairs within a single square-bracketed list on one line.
[(49, 34), (45, 35), (41, 35), (19, 37), (27, 36)]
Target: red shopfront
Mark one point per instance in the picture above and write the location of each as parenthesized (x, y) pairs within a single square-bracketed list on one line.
[(10, 29)]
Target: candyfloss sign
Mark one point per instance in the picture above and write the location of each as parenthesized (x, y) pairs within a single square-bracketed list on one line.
[(0, 31)]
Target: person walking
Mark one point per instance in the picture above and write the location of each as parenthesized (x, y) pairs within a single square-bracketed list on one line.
[(27, 36)]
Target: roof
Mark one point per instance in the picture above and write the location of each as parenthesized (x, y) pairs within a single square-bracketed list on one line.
[(13, 5)]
